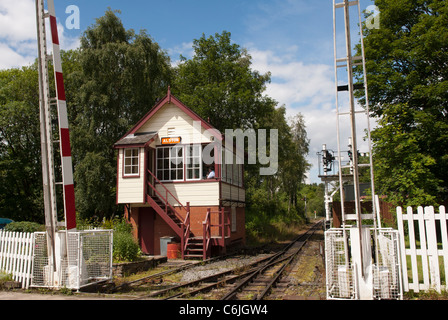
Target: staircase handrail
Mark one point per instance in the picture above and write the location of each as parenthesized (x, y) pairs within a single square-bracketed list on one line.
[(206, 225), (167, 203)]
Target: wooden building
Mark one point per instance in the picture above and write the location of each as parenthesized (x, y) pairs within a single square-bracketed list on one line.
[(163, 179)]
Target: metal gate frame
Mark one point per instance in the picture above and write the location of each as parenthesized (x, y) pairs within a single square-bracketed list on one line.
[(88, 260)]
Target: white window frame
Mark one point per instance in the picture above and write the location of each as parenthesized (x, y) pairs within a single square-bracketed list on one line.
[(171, 163), (190, 164), (129, 154)]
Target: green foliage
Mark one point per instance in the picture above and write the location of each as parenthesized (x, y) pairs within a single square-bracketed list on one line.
[(125, 247), (407, 65), (314, 194), (20, 171), (404, 169), (24, 226), (5, 277), (219, 84), (120, 76)]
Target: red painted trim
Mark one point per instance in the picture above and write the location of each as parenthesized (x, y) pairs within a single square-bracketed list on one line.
[(188, 181), (118, 171), (54, 30), (70, 212), (60, 86), (145, 174), (65, 142)]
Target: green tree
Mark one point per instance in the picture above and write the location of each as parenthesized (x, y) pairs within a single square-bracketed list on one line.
[(219, 84), (407, 65), (403, 168), (121, 75), (20, 169)]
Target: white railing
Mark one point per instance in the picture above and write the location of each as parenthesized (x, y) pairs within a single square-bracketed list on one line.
[(16, 255), (425, 248)]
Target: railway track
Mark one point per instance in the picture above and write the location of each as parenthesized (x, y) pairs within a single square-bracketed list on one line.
[(254, 280), (259, 283)]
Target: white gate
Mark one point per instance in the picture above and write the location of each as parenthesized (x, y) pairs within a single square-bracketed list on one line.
[(384, 278), (85, 259), (16, 255), (426, 249)]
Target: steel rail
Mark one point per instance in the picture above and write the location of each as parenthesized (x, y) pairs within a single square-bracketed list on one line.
[(205, 279), (275, 260), (222, 278)]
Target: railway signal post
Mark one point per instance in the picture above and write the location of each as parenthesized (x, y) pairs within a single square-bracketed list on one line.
[(362, 259)]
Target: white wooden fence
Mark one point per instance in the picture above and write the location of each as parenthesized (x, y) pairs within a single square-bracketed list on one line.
[(424, 248), (16, 255)]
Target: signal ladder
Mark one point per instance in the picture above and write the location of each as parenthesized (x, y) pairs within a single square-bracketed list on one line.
[(359, 260)]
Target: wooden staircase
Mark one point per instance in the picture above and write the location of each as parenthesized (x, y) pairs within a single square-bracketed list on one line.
[(192, 247)]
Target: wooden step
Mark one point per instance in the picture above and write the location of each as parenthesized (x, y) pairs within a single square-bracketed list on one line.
[(193, 256)]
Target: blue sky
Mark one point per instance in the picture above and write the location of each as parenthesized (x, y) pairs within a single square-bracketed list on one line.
[(293, 39)]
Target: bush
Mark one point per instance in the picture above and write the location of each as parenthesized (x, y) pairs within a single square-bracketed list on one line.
[(24, 226), (125, 247)]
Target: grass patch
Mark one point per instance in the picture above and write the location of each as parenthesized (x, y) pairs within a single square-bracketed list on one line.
[(261, 231)]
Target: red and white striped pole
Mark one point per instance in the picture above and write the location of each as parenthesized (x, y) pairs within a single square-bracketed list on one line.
[(64, 135)]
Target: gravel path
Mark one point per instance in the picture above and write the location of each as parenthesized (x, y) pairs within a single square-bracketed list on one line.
[(219, 266)]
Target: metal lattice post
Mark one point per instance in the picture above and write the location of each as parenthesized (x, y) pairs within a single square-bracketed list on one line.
[(45, 130), (64, 134)]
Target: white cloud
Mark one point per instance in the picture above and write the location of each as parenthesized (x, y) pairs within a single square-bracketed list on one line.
[(294, 82), (309, 89), (185, 49), (18, 37), (17, 20), (10, 58)]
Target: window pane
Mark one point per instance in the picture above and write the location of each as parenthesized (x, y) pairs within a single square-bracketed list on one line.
[(131, 161)]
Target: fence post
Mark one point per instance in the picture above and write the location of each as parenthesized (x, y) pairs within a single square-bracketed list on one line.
[(403, 249), (431, 238), (443, 220), (423, 247)]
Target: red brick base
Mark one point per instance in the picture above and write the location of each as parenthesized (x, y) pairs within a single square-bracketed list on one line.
[(149, 227)]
